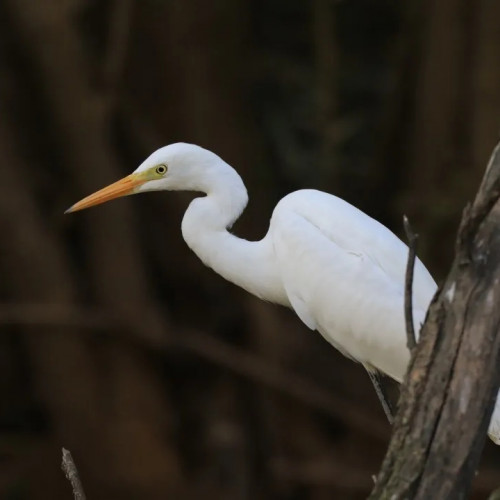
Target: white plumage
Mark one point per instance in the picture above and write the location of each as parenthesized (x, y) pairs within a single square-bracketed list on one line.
[(343, 274), (341, 271)]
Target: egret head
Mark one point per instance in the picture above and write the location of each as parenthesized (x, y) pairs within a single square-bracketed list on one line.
[(179, 166)]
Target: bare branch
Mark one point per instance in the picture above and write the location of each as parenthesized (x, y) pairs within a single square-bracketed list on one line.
[(454, 374), (69, 468), (382, 395), (412, 253), (486, 198)]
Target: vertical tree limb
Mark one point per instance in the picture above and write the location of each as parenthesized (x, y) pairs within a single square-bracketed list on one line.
[(410, 266), (69, 468), (450, 388)]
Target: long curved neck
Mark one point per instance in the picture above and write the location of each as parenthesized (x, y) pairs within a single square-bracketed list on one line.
[(248, 264)]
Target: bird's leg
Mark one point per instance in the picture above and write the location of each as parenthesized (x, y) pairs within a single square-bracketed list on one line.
[(382, 395)]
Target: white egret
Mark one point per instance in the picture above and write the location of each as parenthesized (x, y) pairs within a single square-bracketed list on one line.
[(341, 271)]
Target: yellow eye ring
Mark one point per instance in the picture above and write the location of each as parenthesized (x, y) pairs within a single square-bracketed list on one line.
[(161, 169)]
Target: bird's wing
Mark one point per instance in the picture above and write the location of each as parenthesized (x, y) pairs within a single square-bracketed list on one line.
[(357, 233), (344, 275), (300, 307)]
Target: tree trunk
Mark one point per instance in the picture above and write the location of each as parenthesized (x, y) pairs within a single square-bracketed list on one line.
[(451, 386)]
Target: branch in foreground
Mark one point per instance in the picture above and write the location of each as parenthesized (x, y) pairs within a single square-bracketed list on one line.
[(412, 238), (69, 468), (449, 391)]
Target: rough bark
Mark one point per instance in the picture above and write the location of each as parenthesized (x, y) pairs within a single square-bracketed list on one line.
[(449, 392)]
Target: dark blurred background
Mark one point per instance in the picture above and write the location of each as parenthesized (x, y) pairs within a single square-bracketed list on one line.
[(162, 379)]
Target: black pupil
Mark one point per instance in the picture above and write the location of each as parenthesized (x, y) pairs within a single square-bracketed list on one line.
[(161, 170)]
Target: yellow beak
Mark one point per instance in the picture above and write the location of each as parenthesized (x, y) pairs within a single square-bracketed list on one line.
[(123, 187)]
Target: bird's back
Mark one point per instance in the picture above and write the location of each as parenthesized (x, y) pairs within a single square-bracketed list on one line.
[(344, 276)]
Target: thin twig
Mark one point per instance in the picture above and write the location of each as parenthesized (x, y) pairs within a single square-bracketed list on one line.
[(382, 395), (69, 468), (411, 339)]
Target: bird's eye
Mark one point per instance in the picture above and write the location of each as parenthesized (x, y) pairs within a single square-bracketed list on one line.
[(161, 169)]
